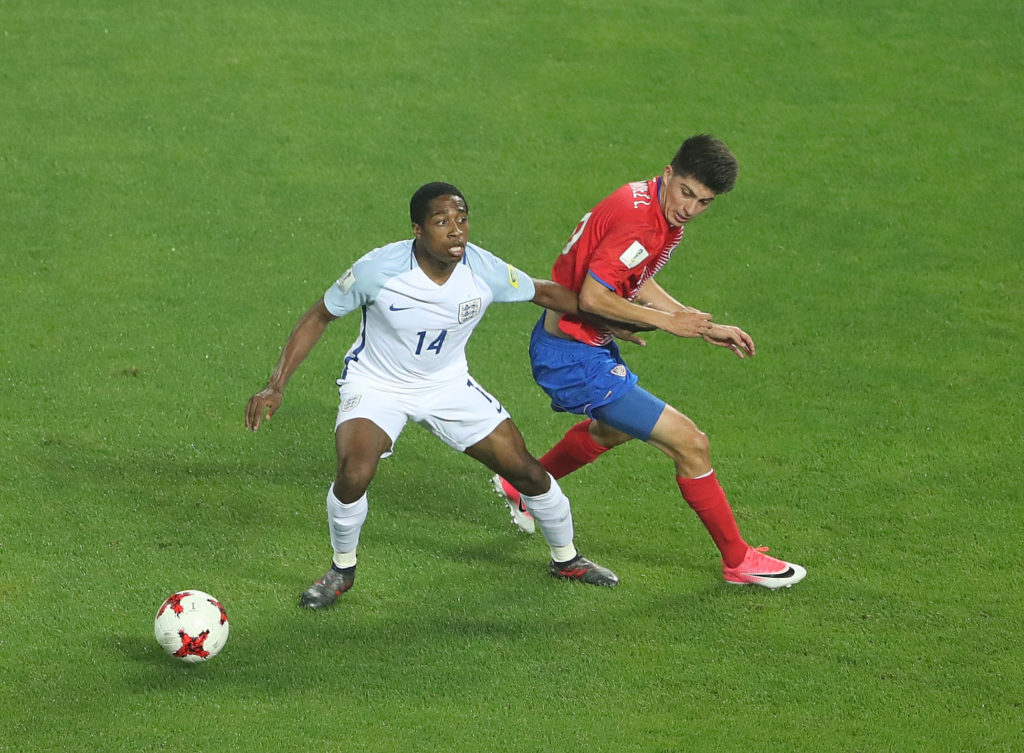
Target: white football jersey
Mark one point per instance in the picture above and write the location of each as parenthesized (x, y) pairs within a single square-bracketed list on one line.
[(414, 330)]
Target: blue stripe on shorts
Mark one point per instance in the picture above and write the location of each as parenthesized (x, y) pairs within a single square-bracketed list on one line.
[(635, 413)]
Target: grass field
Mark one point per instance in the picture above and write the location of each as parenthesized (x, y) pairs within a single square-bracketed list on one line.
[(179, 182)]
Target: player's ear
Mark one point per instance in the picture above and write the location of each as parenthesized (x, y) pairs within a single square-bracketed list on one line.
[(416, 229), (668, 172)]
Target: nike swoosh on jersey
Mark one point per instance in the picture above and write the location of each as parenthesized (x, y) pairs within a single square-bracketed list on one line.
[(392, 307)]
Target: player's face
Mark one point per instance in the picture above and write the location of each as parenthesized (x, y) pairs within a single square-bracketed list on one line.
[(444, 232), (683, 198)]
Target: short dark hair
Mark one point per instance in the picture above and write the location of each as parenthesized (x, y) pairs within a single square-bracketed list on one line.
[(420, 201), (708, 160)]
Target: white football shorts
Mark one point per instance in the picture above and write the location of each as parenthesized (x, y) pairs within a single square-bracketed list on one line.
[(460, 412)]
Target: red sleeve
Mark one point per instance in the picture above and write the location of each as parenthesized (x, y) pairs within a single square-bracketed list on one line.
[(616, 257)]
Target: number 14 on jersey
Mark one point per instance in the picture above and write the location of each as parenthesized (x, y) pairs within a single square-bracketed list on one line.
[(435, 344)]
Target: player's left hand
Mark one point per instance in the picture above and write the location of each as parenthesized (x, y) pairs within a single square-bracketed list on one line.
[(733, 338), (627, 335), (262, 406)]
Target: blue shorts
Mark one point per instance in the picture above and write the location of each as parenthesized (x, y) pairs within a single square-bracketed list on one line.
[(592, 380)]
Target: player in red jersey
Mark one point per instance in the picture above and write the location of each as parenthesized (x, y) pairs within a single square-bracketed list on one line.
[(611, 260)]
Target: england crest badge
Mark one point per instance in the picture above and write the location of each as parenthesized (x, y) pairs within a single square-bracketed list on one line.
[(469, 309)]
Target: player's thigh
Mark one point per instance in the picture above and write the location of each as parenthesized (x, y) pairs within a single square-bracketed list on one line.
[(678, 436), (361, 440), (504, 452)]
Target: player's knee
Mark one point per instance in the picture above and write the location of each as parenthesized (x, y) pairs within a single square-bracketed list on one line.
[(529, 477), (690, 444), (353, 478), (698, 443)]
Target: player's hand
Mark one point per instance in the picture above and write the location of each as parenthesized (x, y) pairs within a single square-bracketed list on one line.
[(627, 335), (733, 338), (262, 405), (691, 323)]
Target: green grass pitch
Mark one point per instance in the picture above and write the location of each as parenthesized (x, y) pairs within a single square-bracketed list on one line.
[(180, 181)]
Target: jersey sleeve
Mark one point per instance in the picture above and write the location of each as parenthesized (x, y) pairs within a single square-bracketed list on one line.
[(507, 283), (356, 288)]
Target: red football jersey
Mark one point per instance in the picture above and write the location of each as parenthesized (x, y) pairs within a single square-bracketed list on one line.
[(622, 243)]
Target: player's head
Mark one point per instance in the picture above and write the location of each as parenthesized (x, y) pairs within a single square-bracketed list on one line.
[(702, 168), (419, 204), (707, 160), (440, 224)]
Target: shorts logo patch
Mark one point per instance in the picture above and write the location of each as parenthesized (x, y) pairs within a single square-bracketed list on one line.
[(350, 402), (346, 281), (619, 371), (633, 255), (469, 309)]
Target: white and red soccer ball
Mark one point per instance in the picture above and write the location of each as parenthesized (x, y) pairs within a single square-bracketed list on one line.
[(191, 626)]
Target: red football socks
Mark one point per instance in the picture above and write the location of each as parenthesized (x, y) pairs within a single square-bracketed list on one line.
[(706, 497), (573, 451)]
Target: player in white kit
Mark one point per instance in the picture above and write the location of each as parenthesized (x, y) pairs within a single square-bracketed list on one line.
[(420, 300)]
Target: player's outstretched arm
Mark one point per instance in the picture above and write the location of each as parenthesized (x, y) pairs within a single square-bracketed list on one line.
[(306, 334), (598, 300), (655, 296), (556, 297)]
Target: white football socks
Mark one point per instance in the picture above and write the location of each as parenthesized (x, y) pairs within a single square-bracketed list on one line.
[(343, 560), (554, 517), (345, 521)]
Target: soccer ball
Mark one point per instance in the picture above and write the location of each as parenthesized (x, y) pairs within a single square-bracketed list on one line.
[(191, 626)]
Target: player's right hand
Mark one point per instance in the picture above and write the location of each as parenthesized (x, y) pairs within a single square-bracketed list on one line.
[(262, 405), (689, 323)]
